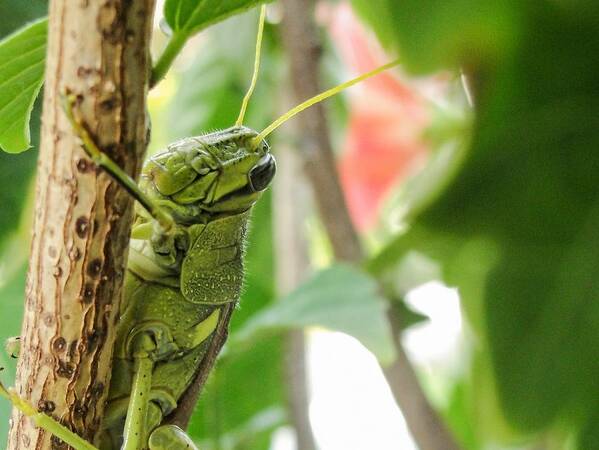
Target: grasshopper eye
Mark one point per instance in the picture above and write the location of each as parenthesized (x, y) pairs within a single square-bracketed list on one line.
[(262, 173)]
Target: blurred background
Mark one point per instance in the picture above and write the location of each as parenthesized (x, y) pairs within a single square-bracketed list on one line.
[(470, 173)]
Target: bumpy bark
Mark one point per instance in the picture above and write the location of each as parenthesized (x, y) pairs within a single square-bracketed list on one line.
[(98, 49)]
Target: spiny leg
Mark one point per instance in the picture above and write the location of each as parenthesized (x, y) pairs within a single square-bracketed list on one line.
[(101, 159), (46, 422), (134, 434)]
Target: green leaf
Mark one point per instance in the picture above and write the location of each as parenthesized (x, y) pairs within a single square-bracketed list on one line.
[(187, 17), (16, 171), (254, 434), (21, 76), (191, 16), (459, 417), (516, 228), (588, 438), (433, 34), (15, 13), (340, 298), (211, 90)]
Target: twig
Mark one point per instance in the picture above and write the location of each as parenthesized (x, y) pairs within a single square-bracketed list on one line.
[(292, 265), (304, 49), (427, 428), (301, 41)]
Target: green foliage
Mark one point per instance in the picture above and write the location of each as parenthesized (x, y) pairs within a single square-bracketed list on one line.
[(21, 77), (17, 170), (192, 16), (186, 18), (15, 173), (340, 298), (516, 229), (433, 34), (224, 68)]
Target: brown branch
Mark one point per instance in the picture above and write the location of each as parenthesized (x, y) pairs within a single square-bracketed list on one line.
[(292, 266), (427, 428), (300, 37), (304, 49), (99, 51)]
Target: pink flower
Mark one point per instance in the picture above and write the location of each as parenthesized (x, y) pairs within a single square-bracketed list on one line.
[(386, 119)]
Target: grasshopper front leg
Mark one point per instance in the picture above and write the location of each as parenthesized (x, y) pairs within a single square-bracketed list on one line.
[(101, 159)]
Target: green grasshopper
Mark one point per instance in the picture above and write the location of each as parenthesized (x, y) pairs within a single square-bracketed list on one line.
[(184, 271)]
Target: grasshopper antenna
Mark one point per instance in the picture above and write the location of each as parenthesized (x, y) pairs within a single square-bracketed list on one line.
[(248, 95), (317, 99)]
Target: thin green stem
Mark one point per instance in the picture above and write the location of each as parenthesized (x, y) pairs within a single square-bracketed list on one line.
[(317, 99), (46, 422), (174, 46), (250, 91)]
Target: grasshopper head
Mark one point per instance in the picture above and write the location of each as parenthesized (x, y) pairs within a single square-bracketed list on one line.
[(211, 175)]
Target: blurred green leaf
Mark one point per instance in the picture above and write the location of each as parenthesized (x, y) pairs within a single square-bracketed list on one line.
[(433, 34), (340, 298), (21, 76), (16, 171), (459, 416), (588, 438), (407, 316), (192, 16), (516, 229), (254, 434), (15, 13)]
